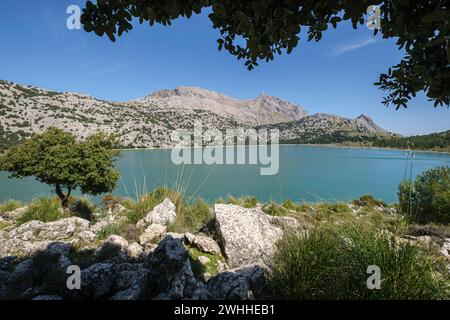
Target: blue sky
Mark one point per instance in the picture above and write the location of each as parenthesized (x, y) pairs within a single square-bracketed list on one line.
[(335, 75)]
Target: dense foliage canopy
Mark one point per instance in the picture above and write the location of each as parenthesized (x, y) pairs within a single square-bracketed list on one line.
[(268, 27), (56, 158)]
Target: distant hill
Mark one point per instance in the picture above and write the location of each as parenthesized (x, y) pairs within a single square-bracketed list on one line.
[(324, 128), (148, 122), (434, 141)]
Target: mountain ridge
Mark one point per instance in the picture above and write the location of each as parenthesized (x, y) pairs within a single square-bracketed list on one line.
[(263, 109), (148, 121)]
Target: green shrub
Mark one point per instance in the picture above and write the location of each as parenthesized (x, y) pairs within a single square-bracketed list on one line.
[(332, 263), (369, 201), (43, 209), (427, 199), (10, 205)]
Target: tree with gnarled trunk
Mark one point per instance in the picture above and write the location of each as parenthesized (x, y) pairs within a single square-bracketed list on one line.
[(269, 27), (56, 158)]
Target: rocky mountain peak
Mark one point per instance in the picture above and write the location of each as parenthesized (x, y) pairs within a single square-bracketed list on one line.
[(368, 123), (264, 109), (188, 92)]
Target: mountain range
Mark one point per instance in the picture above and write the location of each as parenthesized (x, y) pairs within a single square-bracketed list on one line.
[(148, 121)]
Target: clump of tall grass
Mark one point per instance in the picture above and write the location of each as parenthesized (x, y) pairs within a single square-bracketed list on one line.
[(123, 229), (246, 201), (331, 262), (191, 217), (10, 205), (82, 208), (290, 205), (274, 209), (138, 209), (108, 230), (331, 211), (43, 209)]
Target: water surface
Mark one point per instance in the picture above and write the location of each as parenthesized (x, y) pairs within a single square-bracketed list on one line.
[(306, 173)]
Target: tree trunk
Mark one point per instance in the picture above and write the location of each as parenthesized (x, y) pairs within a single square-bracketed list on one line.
[(63, 197)]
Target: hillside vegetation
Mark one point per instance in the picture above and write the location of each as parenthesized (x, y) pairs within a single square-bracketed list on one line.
[(434, 141), (149, 121)]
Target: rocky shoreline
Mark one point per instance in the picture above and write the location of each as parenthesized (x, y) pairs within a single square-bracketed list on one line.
[(227, 260)]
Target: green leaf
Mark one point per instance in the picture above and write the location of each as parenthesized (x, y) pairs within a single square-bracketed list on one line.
[(432, 17)]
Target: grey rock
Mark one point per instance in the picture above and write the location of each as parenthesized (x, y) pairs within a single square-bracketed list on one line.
[(149, 248), (247, 235), (203, 243), (131, 275), (14, 214), (171, 272), (23, 267), (97, 280), (135, 250), (162, 214), (86, 236), (238, 284), (117, 241), (174, 235), (5, 291), (47, 297), (63, 229), (19, 247), (97, 227), (285, 223), (445, 249), (204, 260), (114, 248), (132, 293), (56, 230), (61, 250), (26, 231), (229, 286), (151, 232)]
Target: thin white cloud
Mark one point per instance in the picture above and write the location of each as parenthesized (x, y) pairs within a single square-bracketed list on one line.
[(347, 47), (114, 68)]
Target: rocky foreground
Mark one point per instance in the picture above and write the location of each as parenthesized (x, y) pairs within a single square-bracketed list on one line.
[(228, 261)]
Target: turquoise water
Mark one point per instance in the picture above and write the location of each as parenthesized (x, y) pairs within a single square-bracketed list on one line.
[(306, 173)]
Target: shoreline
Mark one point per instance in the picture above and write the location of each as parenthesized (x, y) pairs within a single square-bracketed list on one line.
[(325, 145)]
